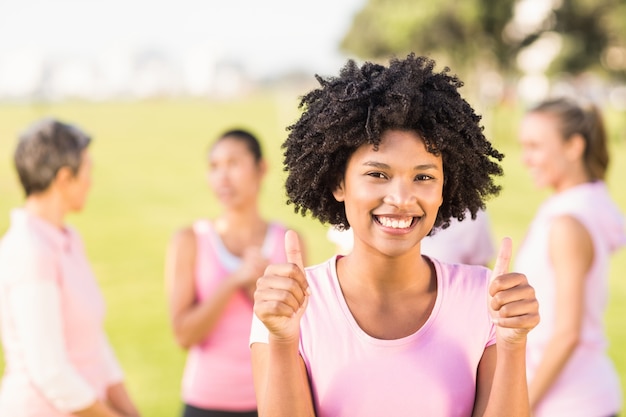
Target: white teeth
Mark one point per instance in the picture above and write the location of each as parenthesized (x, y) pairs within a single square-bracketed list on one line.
[(395, 223)]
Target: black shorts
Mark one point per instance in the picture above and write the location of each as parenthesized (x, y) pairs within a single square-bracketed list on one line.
[(191, 411)]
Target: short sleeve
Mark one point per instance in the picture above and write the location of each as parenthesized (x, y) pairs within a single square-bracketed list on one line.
[(491, 340), (492, 336)]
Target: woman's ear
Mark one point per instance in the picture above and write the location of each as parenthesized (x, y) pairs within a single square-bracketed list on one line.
[(64, 176), (262, 165), (575, 147), (62, 180), (339, 192)]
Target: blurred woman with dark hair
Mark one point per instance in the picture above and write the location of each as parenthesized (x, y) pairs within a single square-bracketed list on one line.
[(58, 359), (211, 272), (566, 258)]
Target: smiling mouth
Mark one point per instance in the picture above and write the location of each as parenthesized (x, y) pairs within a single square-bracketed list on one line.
[(395, 222)]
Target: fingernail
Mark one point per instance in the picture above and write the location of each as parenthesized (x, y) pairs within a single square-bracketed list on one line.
[(308, 290), (494, 320)]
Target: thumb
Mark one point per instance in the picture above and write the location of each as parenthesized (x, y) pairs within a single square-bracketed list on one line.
[(292, 249), (501, 267), (503, 260)]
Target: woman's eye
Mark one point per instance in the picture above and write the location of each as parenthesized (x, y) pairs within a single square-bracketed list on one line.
[(376, 174), (423, 177)]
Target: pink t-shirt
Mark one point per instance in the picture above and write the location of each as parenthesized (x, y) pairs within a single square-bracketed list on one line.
[(431, 372), (57, 357), (218, 372), (588, 385)]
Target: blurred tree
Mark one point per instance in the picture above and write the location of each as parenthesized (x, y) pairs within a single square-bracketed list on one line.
[(593, 36), (462, 31), (592, 33)]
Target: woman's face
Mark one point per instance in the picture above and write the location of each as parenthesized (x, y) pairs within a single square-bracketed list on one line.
[(77, 187), (392, 195), (234, 175), (544, 151)]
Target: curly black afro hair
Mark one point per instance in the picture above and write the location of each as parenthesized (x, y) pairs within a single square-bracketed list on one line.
[(358, 106)]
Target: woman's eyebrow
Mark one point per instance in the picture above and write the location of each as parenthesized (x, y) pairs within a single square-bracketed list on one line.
[(382, 165), (376, 164), (426, 166)]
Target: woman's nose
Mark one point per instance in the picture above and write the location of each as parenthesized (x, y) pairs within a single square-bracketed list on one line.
[(400, 194), (219, 176)]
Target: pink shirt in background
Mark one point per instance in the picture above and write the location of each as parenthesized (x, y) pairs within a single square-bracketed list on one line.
[(57, 357), (588, 385), (429, 373), (218, 372), (467, 242)]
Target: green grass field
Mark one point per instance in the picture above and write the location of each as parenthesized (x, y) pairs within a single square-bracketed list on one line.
[(149, 181)]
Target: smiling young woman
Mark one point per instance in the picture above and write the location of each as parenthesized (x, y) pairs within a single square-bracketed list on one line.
[(391, 153)]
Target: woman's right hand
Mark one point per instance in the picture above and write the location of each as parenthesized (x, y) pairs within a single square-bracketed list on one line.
[(282, 294), (253, 265)]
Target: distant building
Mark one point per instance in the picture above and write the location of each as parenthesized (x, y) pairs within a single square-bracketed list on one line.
[(120, 73)]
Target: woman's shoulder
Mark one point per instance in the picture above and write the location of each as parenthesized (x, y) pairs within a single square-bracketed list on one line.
[(27, 258), (582, 198), (191, 230), (202, 225), (26, 245), (184, 238), (322, 273)]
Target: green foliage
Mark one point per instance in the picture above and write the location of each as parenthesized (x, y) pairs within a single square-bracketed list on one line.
[(588, 28), (149, 181), (478, 32), (457, 31)]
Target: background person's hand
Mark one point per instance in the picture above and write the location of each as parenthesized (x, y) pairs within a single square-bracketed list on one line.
[(252, 267)]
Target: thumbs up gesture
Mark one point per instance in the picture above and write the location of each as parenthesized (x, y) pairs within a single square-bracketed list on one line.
[(512, 303), (281, 295)]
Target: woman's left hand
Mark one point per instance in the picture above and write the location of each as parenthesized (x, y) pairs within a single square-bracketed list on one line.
[(512, 302)]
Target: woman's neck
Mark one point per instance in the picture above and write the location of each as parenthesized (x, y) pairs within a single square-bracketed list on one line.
[(384, 275), (577, 174), (241, 230), (571, 182), (244, 219), (47, 207)]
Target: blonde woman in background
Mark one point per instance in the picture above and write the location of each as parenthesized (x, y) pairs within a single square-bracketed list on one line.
[(565, 256)]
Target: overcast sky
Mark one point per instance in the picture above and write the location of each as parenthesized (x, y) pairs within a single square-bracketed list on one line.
[(267, 36)]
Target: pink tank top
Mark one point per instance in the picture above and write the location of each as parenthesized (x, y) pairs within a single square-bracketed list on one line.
[(588, 385), (218, 373)]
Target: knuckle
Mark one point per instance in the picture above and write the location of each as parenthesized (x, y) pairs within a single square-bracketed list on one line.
[(294, 270), (498, 299), (505, 310)]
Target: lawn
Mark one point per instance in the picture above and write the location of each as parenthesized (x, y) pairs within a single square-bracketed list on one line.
[(149, 181)]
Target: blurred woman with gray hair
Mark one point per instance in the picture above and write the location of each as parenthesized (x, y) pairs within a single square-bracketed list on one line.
[(58, 361)]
